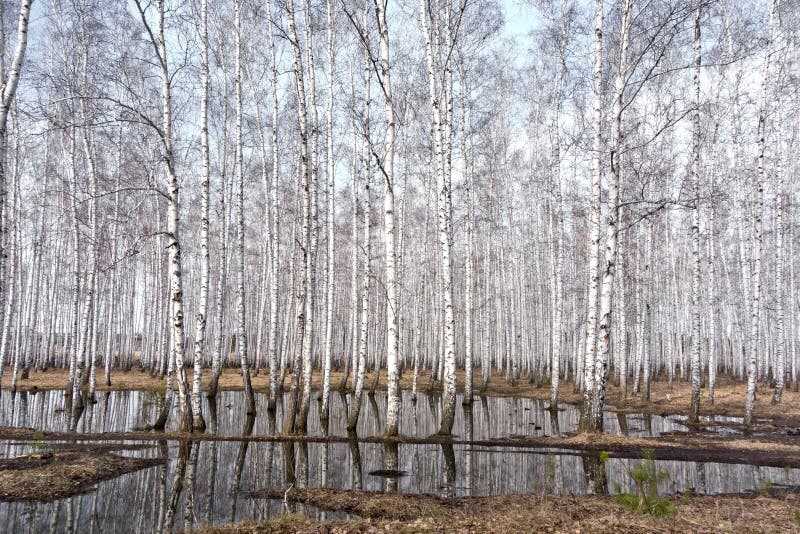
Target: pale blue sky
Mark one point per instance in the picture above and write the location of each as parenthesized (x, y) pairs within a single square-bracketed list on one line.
[(520, 17)]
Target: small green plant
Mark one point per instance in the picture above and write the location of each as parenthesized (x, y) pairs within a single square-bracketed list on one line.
[(764, 489), (646, 478), (37, 441), (797, 516), (431, 512), (604, 456)]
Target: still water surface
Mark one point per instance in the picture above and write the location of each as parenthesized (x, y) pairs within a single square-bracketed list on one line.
[(219, 477)]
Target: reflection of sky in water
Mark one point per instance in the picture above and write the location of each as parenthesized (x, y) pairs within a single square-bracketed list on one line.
[(137, 502)]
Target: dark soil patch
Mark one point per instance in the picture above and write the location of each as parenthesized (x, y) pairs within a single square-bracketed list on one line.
[(49, 476)]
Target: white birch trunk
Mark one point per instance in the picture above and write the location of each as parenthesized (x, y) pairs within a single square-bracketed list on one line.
[(359, 370), (173, 223), (393, 392), (694, 407), (9, 89), (750, 396), (469, 267), (274, 264), (329, 295), (305, 287), (309, 337), (205, 191), (589, 419), (780, 292), (112, 327), (612, 227), (352, 362), (436, 93), (241, 333)]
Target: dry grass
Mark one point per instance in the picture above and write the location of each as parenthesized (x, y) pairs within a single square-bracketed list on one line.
[(525, 513), (663, 400), (55, 475)]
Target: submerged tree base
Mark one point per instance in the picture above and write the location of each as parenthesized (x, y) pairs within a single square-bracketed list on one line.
[(382, 512), (48, 476)]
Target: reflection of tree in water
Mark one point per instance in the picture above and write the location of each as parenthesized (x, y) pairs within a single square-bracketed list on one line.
[(177, 485), (376, 413), (77, 409), (239, 464), (485, 406), (486, 470), (301, 478), (623, 423), (555, 426), (288, 463), (163, 452), (272, 427), (355, 456), (189, 484), (594, 470), (126, 410), (212, 471), (701, 477), (468, 431), (391, 466), (324, 421), (448, 471), (433, 404)]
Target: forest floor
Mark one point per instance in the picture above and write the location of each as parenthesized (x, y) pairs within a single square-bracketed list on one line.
[(729, 394), (382, 512), (55, 474)]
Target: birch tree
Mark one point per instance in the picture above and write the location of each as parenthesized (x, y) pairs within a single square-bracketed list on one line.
[(10, 82), (274, 241), (754, 347), (694, 408), (612, 225), (159, 44), (360, 365), (205, 193), (329, 295), (302, 295), (589, 416), (387, 169), (241, 333)]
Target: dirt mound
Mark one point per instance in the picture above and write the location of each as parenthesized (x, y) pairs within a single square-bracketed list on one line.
[(48, 476)]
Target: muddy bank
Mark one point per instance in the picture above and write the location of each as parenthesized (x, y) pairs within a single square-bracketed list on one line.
[(50, 475), (381, 512), (777, 451)]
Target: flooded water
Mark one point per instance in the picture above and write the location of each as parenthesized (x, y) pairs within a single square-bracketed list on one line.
[(219, 477), (493, 417)]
